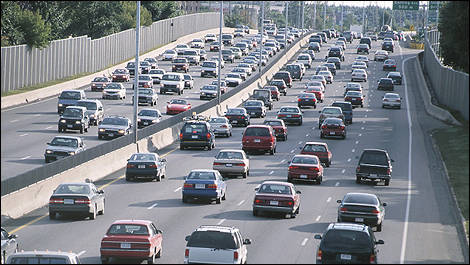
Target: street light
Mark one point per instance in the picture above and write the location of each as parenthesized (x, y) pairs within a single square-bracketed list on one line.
[(136, 70), (220, 52), (261, 39)]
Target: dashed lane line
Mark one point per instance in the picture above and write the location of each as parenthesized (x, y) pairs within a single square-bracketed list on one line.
[(240, 203), (221, 221), (304, 242), (177, 189), (153, 205)]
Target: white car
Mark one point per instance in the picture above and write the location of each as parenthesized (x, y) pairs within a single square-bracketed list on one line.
[(216, 58), (233, 79), (328, 76), (247, 67), (341, 44), (392, 100), (156, 75), (148, 116), (172, 82), (239, 33), (198, 44), (216, 244), (359, 74), (180, 48), (318, 78), (236, 52), (358, 65), (305, 59), (210, 37), (363, 58), (169, 55), (380, 55), (114, 90)]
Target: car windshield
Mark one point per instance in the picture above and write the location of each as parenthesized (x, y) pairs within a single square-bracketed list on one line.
[(209, 87), (314, 148), (70, 95), (304, 57), (235, 111), (190, 52), (331, 111), (149, 113), (345, 240), (212, 240), (324, 73), (386, 81), (100, 79), (72, 189), (113, 86), (353, 94), (181, 46), (59, 141), (253, 103), (360, 198), (141, 157), (273, 123), (292, 67), (128, 229), (170, 52), (120, 71), (275, 189), (392, 96), (178, 101), (359, 71), (171, 77), (333, 121), (72, 112), (353, 85), (233, 76), (209, 64), (230, 155), (217, 120), (87, 104), (145, 91), (226, 52), (257, 131), (289, 110), (374, 158), (304, 160), (179, 60), (152, 60), (145, 78), (201, 175), (157, 71), (144, 63), (114, 121)]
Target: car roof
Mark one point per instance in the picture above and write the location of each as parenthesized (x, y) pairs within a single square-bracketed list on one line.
[(361, 194), (303, 155), (331, 107), (69, 137), (348, 226), (204, 170), (226, 229), (394, 73), (232, 150), (136, 222), (316, 143), (44, 253)]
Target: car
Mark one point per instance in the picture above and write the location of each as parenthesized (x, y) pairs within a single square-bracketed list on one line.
[(314, 46), (264, 95), (114, 90), (284, 75), (362, 58), (389, 65), (347, 243), (145, 81), (307, 99), (9, 245), (69, 97), (228, 55), (169, 55), (121, 74), (363, 48), (387, 46), (114, 126), (43, 257), (197, 132), (396, 77), (145, 165), (239, 33), (255, 108), (192, 55), (172, 82), (243, 47), (346, 108), (317, 92), (319, 78), (132, 239), (77, 198), (202, 55), (279, 127), (352, 86), (146, 96), (366, 40), (204, 184), (380, 55), (331, 67), (215, 46), (328, 76), (385, 84), (280, 84), (371, 35), (391, 100), (333, 127), (305, 59), (157, 75), (180, 64), (290, 114), (131, 68), (94, 110), (147, 117), (341, 44), (197, 44), (295, 71), (320, 68), (329, 112), (359, 74), (259, 138), (336, 51), (374, 165), (180, 48), (99, 83), (358, 65), (210, 37), (355, 97), (176, 106), (227, 39), (311, 53), (275, 94), (210, 68), (237, 53), (232, 162), (316, 38), (241, 71), (208, 92), (153, 63), (74, 118), (318, 149), (248, 69), (228, 243), (221, 126), (63, 146), (144, 67), (238, 116), (305, 167), (277, 196), (365, 208)]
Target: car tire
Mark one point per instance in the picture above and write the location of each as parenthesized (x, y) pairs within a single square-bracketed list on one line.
[(152, 259), (60, 130), (158, 178), (52, 215), (86, 129), (104, 260), (328, 163), (217, 200), (379, 227), (224, 197), (358, 180), (300, 123), (387, 182), (159, 254), (321, 135), (81, 130), (255, 212), (93, 214)]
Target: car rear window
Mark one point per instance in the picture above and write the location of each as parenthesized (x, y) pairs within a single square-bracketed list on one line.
[(261, 93), (70, 95), (217, 120), (273, 123), (275, 189), (72, 189), (141, 157), (38, 260), (194, 128), (128, 229), (374, 158), (201, 175), (385, 81), (230, 155), (257, 131), (304, 160), (314, 148), (360, 198), (212, 239), (346, 240)]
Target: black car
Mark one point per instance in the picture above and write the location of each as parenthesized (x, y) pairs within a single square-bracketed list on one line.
[(366, 40), (74, 118), (290, 115), (284, 75), (336, 52), (387, 46), (196, 132), (331, 67), (396, 77), (374, 165), (385, 84), (295, 71), (281, 85), (114, 126), (362, 208), (307, 99), (389, 65), (346, 107), (255, 108), (336, 61), (145, 165), (347, 243), (238, 116), (263, 95)]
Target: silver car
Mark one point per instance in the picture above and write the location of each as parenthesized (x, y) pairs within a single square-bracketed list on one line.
[(221, 126), (232, 162), (9, 245), (330, 112), (392, 100)]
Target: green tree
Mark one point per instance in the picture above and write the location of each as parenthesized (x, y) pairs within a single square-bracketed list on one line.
[(11, 35), (36, 32), (453, 26), (128, 16), (162, 9)]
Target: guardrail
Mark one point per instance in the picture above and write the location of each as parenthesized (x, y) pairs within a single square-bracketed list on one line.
[(46, 171)]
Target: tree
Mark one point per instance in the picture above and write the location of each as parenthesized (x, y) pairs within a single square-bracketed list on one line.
[(36, 32), (11, 35), (453, 26), (128, 16), (162, 9)]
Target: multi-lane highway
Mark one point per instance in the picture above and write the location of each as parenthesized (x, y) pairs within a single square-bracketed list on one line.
[(418, 226)]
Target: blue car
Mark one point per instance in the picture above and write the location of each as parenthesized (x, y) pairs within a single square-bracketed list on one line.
[(204, 184)]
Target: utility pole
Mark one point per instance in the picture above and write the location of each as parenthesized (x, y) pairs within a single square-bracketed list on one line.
[(220, 51), (314, 14), (324, 14), (285, 32), (342, 22), (261, 39), (302, 18), (363, 17), (383, 17), (136, 70)]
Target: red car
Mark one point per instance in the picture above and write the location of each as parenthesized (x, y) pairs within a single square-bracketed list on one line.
[(259, 138), (122, 75), (333, 127), (277, 196), (305, 168), (318, 149), (279, 127), (99, 83), (275, 94), (132, 239), (176, 106), (317, 91)]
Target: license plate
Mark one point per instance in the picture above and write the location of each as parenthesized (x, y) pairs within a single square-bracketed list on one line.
[(345, 256), (288, 116), (141, 166), (234, 121), (228, 165), (257, 140), (68, 201), (252, 113), (359, 219), (125, 245), (200, 186), (273, 203), (332, 133), (194, 136), (111, 134), (372, 175), (146, 123), (303, 176), (69, 126)]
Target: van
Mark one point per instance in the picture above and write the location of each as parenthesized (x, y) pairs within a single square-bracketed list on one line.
[(43, 257), (346, 107), (259, 138), (295, 71), (265, 96)]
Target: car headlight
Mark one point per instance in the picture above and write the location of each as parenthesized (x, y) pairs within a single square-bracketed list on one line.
[(101, 130), (121, 131), (71, 153), (48, 151), (177, 85), (138, 120), (62, 121), (60, 105), (154, 121), (92, 116), (77, 122)]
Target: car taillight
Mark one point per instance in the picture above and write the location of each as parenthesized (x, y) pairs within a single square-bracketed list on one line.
[(299, 100), (293, 167), (240, 164), (341, 127), (295, 116), (56, 201), (375, 211), (186, 253), (281, 115), (130, 166), (358, 168), (208, 135), (319, 255), (82, 201), (347, 98), (372, 258), (235, 255), (388, 171), (290, 203), (257, 201), (314, 169), (212, 186), (217, 164), (323, 127), (181, 136), (385, 99), (186, 185), (343, 209), (153, 166)]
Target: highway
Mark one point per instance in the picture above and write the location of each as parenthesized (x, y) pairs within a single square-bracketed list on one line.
[(431, 234)]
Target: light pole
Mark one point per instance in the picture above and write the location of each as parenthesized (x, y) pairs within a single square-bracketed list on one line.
[(285, 32), (363, 16), (314, 14), (136, 70), (324, 14), (261, 39), (342, 9), (302, 18), (220, 51)]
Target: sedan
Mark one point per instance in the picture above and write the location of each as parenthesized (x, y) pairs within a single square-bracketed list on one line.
[(385, 84), (305, 168), (188, 81), (204, 184), (329, 112), (223, 85), (9, 245), (280, 84), (333, 127), (334, 60), (233, 79), (389, 65), (353, 87), (238, 116), (275, 94), (169, 55), (78, 198), (396, 77), (208, 92), (232, 162), (114, 126), (362, 58), (114, 90), (145, 165), (359, 74), (156, 75), (147, 117), (290, 114), (307, 99), (391, 100), (317, 91), (380, 55), (121, 74), (279, 127), (221, 126), (363, 208), (176, 106), (318, 149), (99, 83), (277, 196), (355, 97), (328, 76)]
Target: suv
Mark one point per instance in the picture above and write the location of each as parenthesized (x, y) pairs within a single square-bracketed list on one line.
[(94, 110), (196, 132), (43, 257), (216, 244), (366, 40), (74, 118), (347, 243), (114, 126), (146, 96), (172, 82), (348, 35), (210, 68), (69, 98), (387, 46), (280, 84), (374, 164), (259, 137), (363, 48), (295, 71), (336, 52), (346, 108), (284, 75), (265, 96)]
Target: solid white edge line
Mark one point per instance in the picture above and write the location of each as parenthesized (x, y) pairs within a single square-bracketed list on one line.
[(26, 157), (151, 207)]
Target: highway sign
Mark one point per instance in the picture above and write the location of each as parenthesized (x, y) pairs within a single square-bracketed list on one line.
[(405, 5), (434, 5)]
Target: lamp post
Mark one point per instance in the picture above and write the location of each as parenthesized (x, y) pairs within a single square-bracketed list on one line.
[(220, 51), (314, 14), (285, 32), (136, 70), (261, 39)]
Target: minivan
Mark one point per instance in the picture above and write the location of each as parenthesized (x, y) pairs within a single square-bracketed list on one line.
[(259, 138), (346, 107), (295, 71)]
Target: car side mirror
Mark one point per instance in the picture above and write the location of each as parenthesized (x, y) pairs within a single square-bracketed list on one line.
[(159, 231), (338, 201), (128, 160), (12, 236), (298, 191), (384, 204), (379, 242), (100, 191), (246, 241), (317, 236), (392, 160), (187, 238), (164, 160), (319, 111), (100, 108), (48, 143), (256, 189)]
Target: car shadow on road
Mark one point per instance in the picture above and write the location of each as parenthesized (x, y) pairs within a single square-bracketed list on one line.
[(310, 228), (245, 215), (171, 203), (46, 122), (32, 161), (42, 113)]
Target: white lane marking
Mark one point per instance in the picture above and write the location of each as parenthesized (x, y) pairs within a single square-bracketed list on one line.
[(300, 141), (153, 205), (354, 150), (367, 110), (307, 134), (304, 242), (177, 189), (220, 222), (81, 253), (329, 199), (37, 115), (283, 160), (336, 184), (270, 173), (13, 121), (342, 171), (292, 151), (349, 159), (365, 116), (362, 128), (318, 218), (360, 134), (26, 157), (240, 203), (24, 134), (357, 142), (48, 127), (363, 121)]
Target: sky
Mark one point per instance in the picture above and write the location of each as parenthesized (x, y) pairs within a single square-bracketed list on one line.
[(387, 4)]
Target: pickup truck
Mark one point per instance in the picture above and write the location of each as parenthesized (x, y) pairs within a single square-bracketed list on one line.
[(374, 164)]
